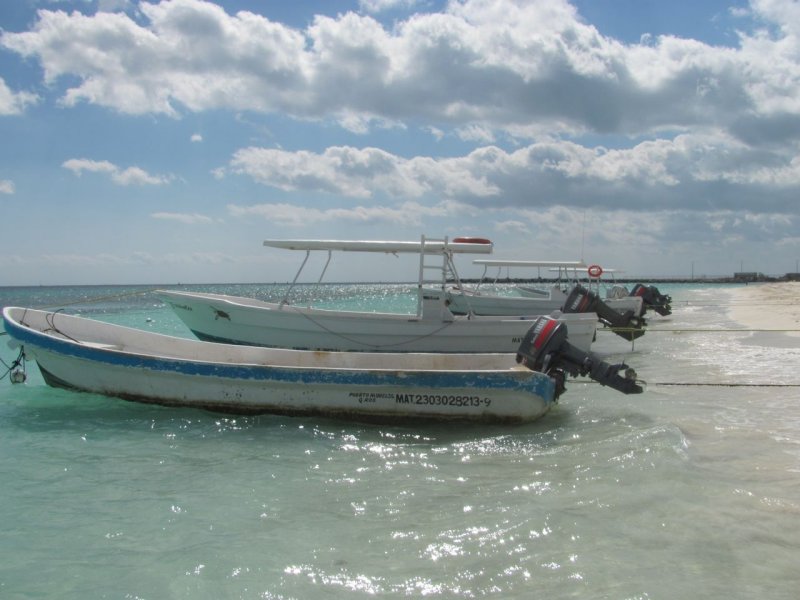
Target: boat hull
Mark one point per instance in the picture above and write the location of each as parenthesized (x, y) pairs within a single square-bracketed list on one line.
[(151, 368), (484, 304), (231, 319)]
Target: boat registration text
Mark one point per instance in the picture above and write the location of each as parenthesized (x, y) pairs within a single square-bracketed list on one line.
[(429, 399)]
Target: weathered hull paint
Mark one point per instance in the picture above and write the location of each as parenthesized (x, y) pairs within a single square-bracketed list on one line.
[(102, 365)]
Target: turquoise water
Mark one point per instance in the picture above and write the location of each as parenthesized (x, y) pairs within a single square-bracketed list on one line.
[(681, 492)]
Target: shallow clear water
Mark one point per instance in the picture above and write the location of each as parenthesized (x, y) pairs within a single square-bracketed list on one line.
[(683, 491)]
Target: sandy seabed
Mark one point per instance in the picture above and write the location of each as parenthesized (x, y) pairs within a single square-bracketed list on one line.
[(768, 306)]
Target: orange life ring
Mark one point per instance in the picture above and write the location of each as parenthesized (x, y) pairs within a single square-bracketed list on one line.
[(471, 240), (595, 271)]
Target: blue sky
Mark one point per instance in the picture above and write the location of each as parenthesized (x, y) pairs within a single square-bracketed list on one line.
[(162, 141)]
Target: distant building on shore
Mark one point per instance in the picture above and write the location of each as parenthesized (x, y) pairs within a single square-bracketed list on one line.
[(748, 276)]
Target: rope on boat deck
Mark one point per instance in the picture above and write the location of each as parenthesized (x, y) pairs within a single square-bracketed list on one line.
[(355, 341)]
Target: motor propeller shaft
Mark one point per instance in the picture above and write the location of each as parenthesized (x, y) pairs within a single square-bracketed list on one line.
[(624, 324)]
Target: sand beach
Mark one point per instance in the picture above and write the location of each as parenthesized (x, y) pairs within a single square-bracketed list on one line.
[(769, 306)]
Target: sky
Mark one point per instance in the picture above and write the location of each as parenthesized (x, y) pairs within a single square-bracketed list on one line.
[(163, 141)]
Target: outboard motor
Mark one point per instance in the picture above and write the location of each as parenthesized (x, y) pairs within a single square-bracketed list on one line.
[(626, 324), (545, 348), (661, 303)]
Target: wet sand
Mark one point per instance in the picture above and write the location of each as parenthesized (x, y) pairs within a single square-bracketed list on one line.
[(772, 306)]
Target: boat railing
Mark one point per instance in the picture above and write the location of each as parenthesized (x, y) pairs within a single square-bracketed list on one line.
[(442, 263), (430, 250), (285, 300)]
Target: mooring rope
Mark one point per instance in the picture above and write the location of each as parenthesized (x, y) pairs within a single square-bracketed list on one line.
[(698, 330), (355, 341), (744, 385), (91, 300), (704, 384), (18, 362)]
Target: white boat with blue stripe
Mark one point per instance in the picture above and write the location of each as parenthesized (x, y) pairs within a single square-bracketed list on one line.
[(86, 355)]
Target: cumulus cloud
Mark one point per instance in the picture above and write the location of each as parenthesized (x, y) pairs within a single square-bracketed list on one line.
[(14, 103), (358, 173), (129, 176), (137, 176), (693, 172), (79, 165), (519, 66), (6, 186)]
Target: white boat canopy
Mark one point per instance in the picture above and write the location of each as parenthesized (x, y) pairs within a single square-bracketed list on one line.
[(569, 269), (574, 264), (426, 248), (390, 247), (551, 265)]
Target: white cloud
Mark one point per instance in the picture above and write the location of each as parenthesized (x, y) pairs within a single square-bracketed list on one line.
[(520, 67), (437, 133), (129, 176), (79, 165), (688, 171), (191, 54), (137, 176), (476, 133), (14, 103), (196, 137), (188, 219), (6, 186), (358, 173)]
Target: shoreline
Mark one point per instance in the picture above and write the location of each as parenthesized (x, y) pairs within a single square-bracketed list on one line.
[(770, 306)]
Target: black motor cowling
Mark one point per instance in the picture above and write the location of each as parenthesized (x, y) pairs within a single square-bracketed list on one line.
[(624, 324), (546, 348), (661, 303)]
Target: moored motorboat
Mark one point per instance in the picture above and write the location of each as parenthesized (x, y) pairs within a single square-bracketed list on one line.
[(640, 299), (92, 356), (434, 327), (620, 315), (238, 320), (569, 274)]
